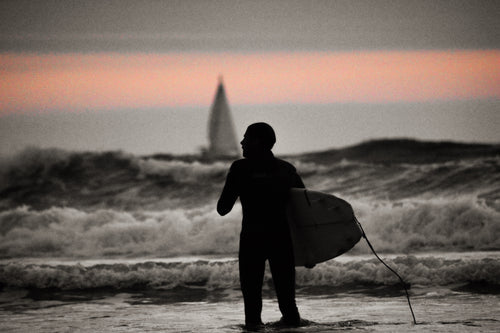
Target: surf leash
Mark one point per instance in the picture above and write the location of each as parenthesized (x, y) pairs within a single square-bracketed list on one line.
[(392, 270)]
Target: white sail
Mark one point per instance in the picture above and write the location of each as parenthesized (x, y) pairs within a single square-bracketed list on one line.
[(221, 131)]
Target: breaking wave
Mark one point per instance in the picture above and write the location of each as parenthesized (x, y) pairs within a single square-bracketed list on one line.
[(67, 232), (426, 271), (394, 170), (411, 226), (410, 197), (45, 178), (440, 224)]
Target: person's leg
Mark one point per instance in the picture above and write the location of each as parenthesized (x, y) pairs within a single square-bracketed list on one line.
[(282, 266), (252, 265)]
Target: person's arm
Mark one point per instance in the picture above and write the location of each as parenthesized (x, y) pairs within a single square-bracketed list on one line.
[(296, 180), (229, 193)]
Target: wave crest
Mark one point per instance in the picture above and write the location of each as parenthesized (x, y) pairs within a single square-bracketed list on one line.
[(116, 180), (67, 232), (407, 226), (439, 224), (426, 271), (182, 172)]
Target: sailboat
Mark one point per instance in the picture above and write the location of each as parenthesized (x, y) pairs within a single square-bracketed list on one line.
[(221, 132)]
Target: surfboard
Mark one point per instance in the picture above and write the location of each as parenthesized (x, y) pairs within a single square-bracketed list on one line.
[(322, 226)]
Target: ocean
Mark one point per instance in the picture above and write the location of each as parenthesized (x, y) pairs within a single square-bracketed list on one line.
[(115, 242)]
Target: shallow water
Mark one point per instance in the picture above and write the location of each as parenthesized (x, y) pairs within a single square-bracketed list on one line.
[(212, 305), (436, 311)]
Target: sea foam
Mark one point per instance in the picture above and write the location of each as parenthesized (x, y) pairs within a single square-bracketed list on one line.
[(70, 232), (408, 226), (418, 271)]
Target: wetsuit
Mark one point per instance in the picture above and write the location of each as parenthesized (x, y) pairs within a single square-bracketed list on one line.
[(263, 184)]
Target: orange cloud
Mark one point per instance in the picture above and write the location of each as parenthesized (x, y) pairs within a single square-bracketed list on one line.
[(112, 81)]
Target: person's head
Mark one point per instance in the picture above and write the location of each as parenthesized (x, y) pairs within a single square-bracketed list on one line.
[(259, 138)]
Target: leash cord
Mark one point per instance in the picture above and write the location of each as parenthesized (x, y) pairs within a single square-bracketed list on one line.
[(392, 270)]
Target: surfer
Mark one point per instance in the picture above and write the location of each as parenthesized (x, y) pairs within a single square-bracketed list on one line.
[(262, 182)]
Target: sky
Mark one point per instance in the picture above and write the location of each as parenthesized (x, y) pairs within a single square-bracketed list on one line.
[(140, 76)]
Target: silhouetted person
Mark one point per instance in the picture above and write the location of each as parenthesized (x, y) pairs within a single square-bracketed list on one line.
[(262, 183)]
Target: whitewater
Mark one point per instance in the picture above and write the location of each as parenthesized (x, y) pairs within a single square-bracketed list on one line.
[(110, 241)]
